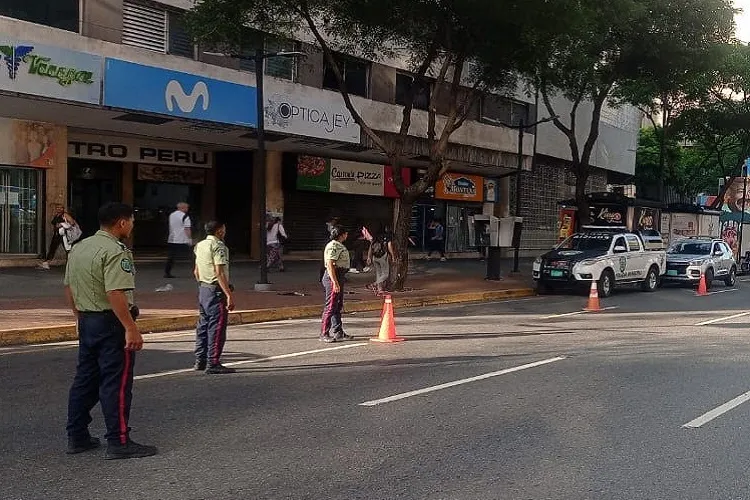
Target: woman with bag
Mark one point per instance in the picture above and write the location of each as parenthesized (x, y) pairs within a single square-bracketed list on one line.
[(380, 256), (66, 232), (275, 238)]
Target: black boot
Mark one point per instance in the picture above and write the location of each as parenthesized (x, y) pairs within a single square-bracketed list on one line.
[(129, 450), (76, 446)]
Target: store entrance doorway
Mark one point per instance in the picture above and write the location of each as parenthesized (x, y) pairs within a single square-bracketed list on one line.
[(91, 186)]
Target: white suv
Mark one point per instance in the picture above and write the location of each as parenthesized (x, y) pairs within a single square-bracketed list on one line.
[(690, 258)]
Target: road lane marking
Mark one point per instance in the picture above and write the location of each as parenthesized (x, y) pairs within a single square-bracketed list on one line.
[(718, 411), (576, 313), (254, 360), (691, 292), (725, 318), (447, 385)]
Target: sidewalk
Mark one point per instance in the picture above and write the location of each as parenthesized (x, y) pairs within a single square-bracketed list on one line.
[(33, 307)]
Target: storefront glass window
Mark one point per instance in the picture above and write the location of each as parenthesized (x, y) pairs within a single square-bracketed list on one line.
[(154, 201), (19, 214)]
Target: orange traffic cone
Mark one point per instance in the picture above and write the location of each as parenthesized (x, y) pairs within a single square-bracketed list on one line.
[(593, 305), (702, 288), (388, 324)]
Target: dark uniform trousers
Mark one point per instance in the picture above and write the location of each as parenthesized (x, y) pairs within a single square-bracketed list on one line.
[(212, 324), (334, 305), (104, 373)]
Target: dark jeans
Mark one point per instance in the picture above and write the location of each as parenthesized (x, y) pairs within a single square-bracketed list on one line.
[(54, 244), (105, 374), (331, 322), (175, 251), (211, 334), (436, 246), (359, 252)]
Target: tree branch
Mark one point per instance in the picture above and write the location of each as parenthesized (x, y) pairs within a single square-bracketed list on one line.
[(304, 12), (432, 109)]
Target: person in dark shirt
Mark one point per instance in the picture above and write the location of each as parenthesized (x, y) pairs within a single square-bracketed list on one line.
[(60, 217)]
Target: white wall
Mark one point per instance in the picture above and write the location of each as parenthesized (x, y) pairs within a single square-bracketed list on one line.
[(618, 137)]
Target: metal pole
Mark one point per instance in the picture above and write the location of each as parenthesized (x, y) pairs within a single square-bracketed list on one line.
[(259, 59), (742, 217), (519, 170)]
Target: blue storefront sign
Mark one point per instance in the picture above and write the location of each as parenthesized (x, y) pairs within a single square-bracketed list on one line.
[(134, 86)]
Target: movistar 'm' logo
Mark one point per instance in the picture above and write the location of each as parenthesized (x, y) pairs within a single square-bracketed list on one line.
[(186, 102), (13, 56)]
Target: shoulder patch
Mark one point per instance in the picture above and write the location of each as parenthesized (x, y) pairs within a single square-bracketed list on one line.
[(127, 265)]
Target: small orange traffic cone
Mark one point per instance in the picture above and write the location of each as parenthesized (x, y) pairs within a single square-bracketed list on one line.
[(388, 324), (593, 305), (702, 288)]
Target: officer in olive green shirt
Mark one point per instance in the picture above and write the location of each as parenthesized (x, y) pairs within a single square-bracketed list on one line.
[(215, 299), (99, 284), (337, 261)]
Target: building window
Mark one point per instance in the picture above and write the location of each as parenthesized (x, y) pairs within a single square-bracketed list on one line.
[(498, 110), (20, 212), (63, 14), (356, 75), (144, 26), (180, 42), (421, 94), (279, 67)]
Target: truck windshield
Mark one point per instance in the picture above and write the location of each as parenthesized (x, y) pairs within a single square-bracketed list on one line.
[(585, 242), (690, 248)]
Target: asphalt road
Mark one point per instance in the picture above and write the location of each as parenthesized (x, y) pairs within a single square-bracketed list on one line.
[(529, 399)]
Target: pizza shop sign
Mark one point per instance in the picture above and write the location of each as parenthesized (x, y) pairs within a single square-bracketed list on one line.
[(136, 151)]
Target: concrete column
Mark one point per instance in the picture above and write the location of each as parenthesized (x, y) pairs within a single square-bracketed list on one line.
[(56, 185), (274, 189), (502, 208)]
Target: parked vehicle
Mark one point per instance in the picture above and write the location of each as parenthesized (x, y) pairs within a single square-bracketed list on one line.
[(610, 257), (691, 258)]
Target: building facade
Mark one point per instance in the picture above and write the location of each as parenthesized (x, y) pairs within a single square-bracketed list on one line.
[(109, 100)]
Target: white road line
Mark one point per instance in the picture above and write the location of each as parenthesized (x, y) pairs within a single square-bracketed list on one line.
[(255, 360), (576, 313), (409, 394), (692, 292), (725, 318), (718, 411)]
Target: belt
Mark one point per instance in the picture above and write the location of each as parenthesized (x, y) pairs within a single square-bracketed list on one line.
[(216, 285), (134, 312)]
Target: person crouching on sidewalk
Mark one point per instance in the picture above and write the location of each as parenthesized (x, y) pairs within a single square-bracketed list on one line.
[(337, 261)]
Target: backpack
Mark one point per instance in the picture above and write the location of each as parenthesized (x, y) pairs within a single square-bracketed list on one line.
[(379, 248)]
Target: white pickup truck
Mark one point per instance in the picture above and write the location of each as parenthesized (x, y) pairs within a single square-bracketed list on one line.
[(611, 258)]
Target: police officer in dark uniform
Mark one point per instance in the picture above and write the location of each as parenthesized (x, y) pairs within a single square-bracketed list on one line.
[(99, 284)]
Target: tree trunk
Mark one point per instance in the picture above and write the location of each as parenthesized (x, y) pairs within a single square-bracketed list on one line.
[(584, 211), (401, 230)]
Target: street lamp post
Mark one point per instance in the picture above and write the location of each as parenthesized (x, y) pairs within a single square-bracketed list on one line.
[(259, 59)]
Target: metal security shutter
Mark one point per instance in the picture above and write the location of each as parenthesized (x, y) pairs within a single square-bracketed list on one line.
[(180, 43), (144, 26), (306, 213)]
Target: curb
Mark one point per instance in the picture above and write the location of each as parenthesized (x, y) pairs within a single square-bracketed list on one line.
[(60, 333)]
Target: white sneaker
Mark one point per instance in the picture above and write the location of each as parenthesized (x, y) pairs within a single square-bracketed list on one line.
[(367, 269), (443, 259), (353, 271), (44, 266)]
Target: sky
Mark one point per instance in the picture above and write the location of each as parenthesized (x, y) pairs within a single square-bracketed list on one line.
[(743, 20)]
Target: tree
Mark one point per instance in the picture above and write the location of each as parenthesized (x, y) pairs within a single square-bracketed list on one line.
[(719, 127), (609, 48), (439, 38)]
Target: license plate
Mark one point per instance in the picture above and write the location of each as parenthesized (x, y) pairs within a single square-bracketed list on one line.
[(672, 272), (557, 274)]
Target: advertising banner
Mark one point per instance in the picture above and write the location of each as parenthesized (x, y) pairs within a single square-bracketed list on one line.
[(128, 149), (322, 115), (460, 187), (647, 219), (129, 85), (177, 175), (566, 224), (356, 178), (313, 174), (30, 68), (491, 191), (608, 216), (683, 226)]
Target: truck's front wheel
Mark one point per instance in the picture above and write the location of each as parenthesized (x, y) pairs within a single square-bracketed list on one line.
[(606, 283), (652, 280)]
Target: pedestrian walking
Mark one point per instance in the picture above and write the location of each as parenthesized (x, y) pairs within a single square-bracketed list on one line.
[(215, 299), (66, 232), (336, 260), (275, 239), (99, 285), (437, 240), (360, 249), (180, 239), (380, 257)]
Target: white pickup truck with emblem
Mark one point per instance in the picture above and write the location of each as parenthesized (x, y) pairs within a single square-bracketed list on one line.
[(612, 258)]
